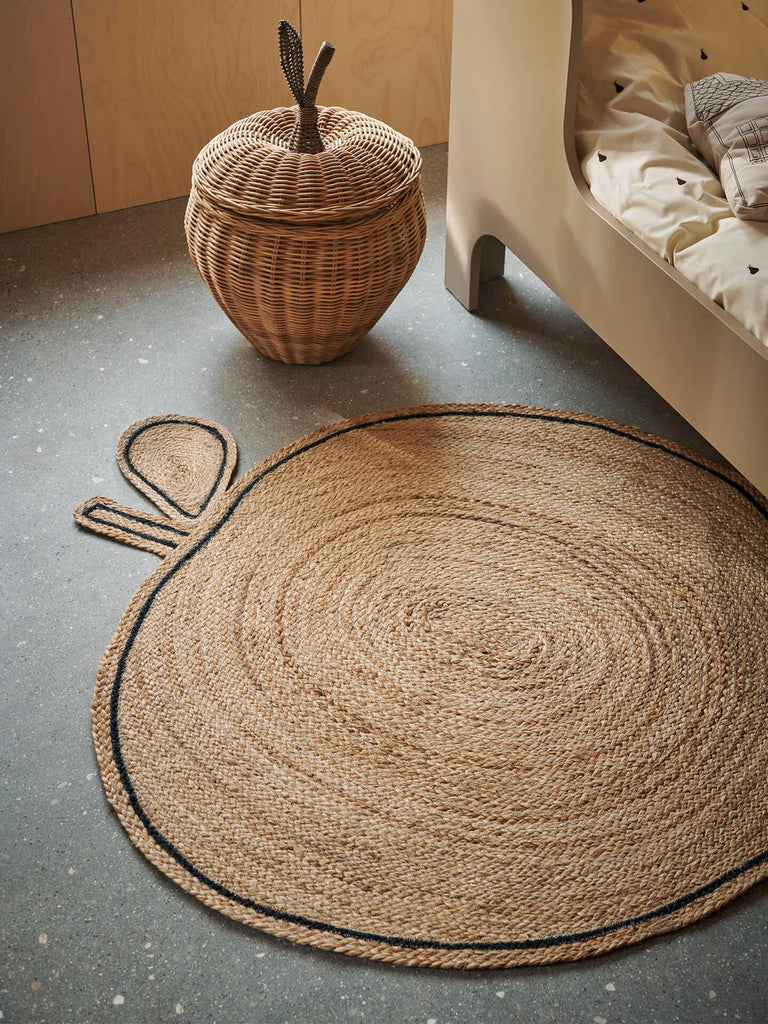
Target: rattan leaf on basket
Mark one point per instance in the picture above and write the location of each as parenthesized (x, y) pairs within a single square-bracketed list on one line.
[(292, 59), (306, 135)]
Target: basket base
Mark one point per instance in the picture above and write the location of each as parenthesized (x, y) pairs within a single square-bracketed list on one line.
[(306, 293), (309, 352)]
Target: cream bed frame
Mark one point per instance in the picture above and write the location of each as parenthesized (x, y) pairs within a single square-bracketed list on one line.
[(514, 182)]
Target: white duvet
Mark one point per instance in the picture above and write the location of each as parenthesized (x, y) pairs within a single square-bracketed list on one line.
[(635, 153)]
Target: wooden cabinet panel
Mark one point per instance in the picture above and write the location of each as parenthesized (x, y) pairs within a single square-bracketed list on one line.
[(392, 61), (45, 175), (162, 77)]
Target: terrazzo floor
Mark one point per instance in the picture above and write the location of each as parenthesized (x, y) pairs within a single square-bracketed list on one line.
[(103, 321)]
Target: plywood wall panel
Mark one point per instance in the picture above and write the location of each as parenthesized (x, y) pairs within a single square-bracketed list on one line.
[(44, 171), (392, 61), (162, 77)]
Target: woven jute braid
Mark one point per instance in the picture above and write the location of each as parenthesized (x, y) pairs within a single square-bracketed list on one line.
[(139, 529), (454, 686), (182, 463)]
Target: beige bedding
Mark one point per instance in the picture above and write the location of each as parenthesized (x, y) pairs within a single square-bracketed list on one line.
[(727, 118), (635, 152)]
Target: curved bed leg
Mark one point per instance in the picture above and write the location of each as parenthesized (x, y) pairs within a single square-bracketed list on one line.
[(481, 261), (459, 246), (490, 257)]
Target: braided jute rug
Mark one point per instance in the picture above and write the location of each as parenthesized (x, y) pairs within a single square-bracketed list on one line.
[(451, 686)]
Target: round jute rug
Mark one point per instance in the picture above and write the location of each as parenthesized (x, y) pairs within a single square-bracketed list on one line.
[(454, 686)]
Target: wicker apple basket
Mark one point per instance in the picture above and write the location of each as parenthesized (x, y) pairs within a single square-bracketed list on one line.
[(305, 222)]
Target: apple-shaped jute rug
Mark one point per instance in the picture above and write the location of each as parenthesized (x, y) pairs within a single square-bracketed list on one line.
[(450, 686)]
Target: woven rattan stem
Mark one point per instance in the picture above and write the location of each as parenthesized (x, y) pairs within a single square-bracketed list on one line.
[(306, 135), (323, 59)]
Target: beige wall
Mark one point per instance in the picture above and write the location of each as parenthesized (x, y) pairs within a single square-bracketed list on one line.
[(44, 170), (162, 77), (111, 111), (392, 60)]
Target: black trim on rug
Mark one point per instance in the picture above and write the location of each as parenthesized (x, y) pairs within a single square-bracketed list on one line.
[(157, 490), (549, 941), (88, 511)]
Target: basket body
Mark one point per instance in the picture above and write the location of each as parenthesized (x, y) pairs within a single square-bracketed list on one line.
[(305, 252)]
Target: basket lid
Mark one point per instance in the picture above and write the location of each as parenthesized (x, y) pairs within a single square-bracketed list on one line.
[(249, 168)]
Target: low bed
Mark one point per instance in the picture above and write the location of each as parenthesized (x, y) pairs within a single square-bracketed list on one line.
[(551, 98)]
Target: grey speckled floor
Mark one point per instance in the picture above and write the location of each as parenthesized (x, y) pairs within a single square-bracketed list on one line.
[(103, 321)]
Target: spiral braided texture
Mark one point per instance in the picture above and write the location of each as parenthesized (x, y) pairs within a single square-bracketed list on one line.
[(454, 686)]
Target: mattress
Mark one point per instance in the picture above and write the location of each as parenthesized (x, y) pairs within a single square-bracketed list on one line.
[(635, 153)]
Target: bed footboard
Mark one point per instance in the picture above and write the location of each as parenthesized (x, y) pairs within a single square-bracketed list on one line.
[(514, 182)]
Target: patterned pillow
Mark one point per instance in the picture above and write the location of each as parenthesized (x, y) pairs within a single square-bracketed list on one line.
[(727, 117)]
